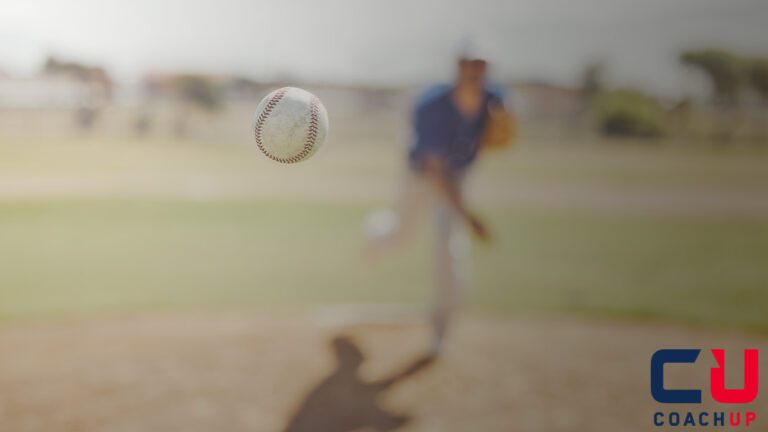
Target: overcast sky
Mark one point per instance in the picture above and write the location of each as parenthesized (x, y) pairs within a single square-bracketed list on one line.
[(381, 41)]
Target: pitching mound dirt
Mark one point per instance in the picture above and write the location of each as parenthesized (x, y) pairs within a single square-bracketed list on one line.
[(239, 372)]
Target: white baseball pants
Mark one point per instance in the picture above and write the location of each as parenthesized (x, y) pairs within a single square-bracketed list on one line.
[(451, 248)]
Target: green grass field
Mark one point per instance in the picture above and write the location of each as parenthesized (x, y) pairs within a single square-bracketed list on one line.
[(102, 255), (91, 226)]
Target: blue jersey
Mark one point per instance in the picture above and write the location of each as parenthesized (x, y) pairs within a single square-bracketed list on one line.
[(441, 130)]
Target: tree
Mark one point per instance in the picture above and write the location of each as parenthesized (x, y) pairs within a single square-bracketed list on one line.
[(82, 72), (591, 86), (726, 75), (592, 81), (200, 92), (724, 71), (757, 76), (196, 92), (99, 87), (630, 113)]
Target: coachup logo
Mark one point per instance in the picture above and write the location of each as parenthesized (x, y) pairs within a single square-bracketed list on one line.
[(720, 393)]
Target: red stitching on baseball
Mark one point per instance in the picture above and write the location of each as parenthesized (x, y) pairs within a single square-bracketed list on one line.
[(309, 143), (263, 116)]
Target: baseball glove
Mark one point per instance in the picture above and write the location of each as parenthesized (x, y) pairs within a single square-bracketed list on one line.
[(500, 130)]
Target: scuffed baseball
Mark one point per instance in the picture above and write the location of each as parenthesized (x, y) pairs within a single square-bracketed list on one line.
[(290, 125)]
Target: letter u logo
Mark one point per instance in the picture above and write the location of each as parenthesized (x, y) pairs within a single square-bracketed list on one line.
[(746, 394)]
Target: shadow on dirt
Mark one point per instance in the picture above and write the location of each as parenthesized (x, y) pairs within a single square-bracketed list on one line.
[(343, 401)]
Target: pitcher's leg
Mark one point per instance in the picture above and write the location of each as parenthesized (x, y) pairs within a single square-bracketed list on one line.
[(451, 272)]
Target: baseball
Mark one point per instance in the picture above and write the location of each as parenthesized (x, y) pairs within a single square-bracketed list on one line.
[(290, 125)]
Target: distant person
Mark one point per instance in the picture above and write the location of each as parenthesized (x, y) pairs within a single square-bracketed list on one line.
[(451, 125)]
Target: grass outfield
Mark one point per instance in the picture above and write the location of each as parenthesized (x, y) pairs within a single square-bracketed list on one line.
[(74, 256)]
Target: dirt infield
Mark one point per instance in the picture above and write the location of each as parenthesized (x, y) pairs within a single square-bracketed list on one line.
[(253, 372)]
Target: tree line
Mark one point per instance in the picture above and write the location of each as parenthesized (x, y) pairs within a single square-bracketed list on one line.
[(735, 108)]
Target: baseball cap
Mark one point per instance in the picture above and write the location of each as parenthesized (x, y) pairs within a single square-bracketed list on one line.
[(470, 50)]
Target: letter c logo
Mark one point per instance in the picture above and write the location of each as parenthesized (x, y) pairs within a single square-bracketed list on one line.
[(663, 395)]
